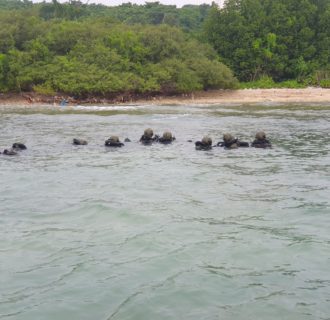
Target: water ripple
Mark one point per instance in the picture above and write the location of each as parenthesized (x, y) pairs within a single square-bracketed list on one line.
[(165, 232)]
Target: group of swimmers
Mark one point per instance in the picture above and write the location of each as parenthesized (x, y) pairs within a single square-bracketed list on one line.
[(231, 142), (148, 138)]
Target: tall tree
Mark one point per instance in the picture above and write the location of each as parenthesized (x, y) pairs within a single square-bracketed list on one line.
[(283, 39)]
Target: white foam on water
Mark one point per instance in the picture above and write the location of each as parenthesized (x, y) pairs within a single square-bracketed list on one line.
[(103, 108)]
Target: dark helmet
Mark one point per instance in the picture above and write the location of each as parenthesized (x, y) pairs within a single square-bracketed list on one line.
[(260, 135), (113, 139), (167, 136), (148, 133), (227, 137), (207, 141)]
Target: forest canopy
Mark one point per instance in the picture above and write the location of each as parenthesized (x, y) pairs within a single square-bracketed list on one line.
[(282, 39), (83, 49), (97, 55)]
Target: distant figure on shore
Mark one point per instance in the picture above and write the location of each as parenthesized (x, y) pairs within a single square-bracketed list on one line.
[(79, 142), (167, 138), (148, 137), (261, 141), (18, 146), (205, 144), (113, 141), (63, 102), (230, 142)]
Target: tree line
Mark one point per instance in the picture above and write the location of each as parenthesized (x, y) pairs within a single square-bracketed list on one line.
[(85, 49), (97, 55), (282, 39), (190, 18)]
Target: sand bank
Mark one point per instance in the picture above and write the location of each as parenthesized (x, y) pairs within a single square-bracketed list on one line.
[(252, 96), (245, 96)]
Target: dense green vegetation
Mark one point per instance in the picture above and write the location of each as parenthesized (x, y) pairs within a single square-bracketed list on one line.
[(85, 49), (94, 54), (282, 39)]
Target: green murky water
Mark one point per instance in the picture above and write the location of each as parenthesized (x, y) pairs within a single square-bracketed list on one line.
[(165, 232)]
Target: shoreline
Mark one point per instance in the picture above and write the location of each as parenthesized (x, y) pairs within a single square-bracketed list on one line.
[(212, 97)]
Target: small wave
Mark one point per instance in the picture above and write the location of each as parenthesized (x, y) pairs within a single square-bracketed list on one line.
[(104, 108)]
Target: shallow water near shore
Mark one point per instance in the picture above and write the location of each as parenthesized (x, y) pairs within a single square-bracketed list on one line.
[(165, 232)]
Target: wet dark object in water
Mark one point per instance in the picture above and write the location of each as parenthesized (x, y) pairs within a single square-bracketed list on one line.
[(113, 141), (148, 137), (167, 138), (205, 144), (261, 141), (79, 142), (9, 152), (230, 142), (243, 144), (19, 146), (127, 140)]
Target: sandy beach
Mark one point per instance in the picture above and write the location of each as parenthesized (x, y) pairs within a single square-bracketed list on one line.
[(252, 96), (244, 96)]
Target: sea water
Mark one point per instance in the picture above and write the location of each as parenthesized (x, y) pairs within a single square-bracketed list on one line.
[(165, 231)]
